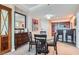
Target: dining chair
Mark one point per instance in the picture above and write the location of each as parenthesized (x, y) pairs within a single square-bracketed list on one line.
[(53, 43), (31, 41), (41, 44), (42, 32)]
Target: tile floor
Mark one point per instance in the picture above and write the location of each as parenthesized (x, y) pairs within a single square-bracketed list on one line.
[(63, 49)]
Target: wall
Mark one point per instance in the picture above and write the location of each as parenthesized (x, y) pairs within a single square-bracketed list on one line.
[(44, 25), (29, 23), (72, 21), (77, 30)]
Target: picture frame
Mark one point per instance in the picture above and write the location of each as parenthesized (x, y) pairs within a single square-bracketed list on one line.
[(34, 24)]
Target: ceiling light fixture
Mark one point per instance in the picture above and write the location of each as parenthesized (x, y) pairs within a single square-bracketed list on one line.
[(48, 16)]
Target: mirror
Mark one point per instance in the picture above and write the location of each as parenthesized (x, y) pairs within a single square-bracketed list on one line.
[(20, 20)]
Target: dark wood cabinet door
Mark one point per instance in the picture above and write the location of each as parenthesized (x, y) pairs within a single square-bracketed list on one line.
[(4, 43), (20, 39)]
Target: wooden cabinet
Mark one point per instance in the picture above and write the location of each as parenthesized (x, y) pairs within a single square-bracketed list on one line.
[(4, 43), (20, 39), (5, 29)]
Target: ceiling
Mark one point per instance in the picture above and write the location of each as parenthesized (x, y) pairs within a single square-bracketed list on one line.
[(30, 6), (40, 10)]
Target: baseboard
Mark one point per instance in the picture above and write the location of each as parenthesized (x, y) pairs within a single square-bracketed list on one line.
[(12, 50)]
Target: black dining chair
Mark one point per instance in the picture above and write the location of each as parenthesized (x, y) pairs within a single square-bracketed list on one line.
[(31, 41), (70, 33), (41, 45), (60, 32), (53, 43), (42, 32)]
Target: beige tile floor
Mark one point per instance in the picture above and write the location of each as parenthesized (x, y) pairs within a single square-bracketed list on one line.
[(63, 49)]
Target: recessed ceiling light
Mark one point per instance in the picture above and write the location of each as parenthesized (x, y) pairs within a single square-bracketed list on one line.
[(48, 16)]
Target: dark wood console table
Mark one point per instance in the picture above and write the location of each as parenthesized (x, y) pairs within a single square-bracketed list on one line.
[(20, 39)]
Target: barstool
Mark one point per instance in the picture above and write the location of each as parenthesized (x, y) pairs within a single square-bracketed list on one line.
[(60, 32), (70, 33)]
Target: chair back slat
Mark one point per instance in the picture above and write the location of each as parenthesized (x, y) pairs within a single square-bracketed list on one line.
[(42, 32)]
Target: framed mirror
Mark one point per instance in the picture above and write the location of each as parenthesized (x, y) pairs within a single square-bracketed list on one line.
[(20, 20)]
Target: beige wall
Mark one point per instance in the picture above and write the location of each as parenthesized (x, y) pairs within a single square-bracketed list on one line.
[(72, 21)]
